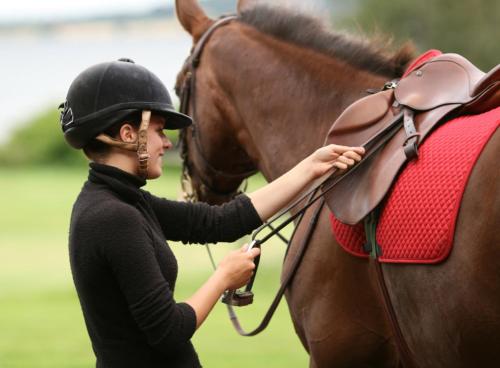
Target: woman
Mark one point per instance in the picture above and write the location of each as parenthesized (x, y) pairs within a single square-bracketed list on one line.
[(123, 269)]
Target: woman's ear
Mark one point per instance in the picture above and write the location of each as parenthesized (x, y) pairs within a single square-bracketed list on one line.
[(128, 133)]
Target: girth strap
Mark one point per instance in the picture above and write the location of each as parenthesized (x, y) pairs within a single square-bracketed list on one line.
[(405, 353)]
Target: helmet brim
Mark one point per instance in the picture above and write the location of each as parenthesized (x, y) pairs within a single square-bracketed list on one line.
[(78, 137), (174, 119)]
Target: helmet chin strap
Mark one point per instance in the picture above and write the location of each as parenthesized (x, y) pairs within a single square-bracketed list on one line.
[(140, 146)]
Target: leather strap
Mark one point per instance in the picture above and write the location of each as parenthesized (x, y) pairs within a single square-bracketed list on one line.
[(286, 280), (104, 138), (140, 145), (410, 145), (195, 56), (405, 353)]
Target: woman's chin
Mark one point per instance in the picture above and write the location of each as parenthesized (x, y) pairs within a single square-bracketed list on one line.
[(155, 173)]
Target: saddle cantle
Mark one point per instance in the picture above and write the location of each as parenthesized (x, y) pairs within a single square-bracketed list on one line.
[(440, 87)]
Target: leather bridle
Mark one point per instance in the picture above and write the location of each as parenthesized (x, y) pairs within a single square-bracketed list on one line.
[(187, 95)]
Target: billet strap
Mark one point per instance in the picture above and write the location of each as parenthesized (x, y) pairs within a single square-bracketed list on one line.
[(410, 145), (142, 144)]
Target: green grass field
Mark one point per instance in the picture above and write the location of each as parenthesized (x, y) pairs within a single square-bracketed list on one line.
[(41, 324)]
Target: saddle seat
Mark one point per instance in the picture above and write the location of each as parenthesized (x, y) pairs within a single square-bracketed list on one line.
[(442, 87)]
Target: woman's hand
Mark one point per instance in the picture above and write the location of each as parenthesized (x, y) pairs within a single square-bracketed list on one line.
[(233, 272), (334, 156), (277, 194), (237, 267)]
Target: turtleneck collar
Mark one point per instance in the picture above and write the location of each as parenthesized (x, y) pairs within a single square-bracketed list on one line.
[(122, 182)]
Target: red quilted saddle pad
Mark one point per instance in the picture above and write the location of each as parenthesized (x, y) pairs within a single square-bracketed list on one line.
[(417, 224)]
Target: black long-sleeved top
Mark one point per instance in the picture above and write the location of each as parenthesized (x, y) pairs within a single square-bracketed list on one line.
[(125, 272)]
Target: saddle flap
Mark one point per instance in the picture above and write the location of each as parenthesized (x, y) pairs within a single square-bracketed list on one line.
[(362, 189), (446, 79), (358, 122)]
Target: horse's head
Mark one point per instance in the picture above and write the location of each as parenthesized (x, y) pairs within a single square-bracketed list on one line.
[(210, 174), (264, 89)]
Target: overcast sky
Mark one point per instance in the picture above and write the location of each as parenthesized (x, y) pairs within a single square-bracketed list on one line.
[(15, 10)]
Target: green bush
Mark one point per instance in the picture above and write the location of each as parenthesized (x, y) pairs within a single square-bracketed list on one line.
[(468, 27), (41, 142)]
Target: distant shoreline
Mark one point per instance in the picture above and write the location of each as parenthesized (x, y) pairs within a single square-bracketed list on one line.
[(97, 28)]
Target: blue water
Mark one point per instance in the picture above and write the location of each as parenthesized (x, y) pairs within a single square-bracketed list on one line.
[(36, 71)]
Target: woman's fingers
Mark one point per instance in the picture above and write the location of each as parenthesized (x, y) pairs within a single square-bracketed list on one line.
[(254, 252), (238, 266), (358, 150), (340, 165), (346, 160), (343, 150), (353, 155)]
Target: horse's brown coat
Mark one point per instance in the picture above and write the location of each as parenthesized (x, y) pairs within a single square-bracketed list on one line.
[(267, 102)]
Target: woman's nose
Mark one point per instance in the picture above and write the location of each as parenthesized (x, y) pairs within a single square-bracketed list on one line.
[(167, 144)]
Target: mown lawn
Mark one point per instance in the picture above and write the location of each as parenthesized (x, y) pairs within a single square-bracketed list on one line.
[(40, 320)]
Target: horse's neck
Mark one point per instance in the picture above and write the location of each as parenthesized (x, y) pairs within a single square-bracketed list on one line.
[(286, 96)]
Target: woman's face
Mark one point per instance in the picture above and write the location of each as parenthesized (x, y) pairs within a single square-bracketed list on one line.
[(158, 143)]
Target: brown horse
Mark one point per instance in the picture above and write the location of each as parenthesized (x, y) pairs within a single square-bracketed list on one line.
[(268, 86)]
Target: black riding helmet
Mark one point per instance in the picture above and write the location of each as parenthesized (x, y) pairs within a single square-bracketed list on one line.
[(106, 93)]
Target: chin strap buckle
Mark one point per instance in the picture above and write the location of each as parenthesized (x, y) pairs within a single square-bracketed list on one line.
[(142, 144)]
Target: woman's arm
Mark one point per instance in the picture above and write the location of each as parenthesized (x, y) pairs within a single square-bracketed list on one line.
[(201, 223), (233, 272), (271, 198)]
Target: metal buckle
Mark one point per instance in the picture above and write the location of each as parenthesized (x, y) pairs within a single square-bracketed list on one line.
[(390, 85), (237, 298)]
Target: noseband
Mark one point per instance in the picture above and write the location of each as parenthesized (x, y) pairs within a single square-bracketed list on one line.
[(188, 94)]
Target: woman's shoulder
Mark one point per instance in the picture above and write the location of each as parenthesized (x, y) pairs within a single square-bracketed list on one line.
[(104, 207)]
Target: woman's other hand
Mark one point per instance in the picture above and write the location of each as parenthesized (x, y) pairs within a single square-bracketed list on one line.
[(237, 267)]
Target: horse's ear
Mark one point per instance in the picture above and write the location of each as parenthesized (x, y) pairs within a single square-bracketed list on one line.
[(192, 17), (244, 5)]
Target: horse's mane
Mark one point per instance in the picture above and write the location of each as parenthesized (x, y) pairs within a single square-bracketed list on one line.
[(310, 32)]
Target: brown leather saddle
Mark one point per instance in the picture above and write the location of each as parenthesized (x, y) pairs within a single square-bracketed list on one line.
[(392, 123)]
